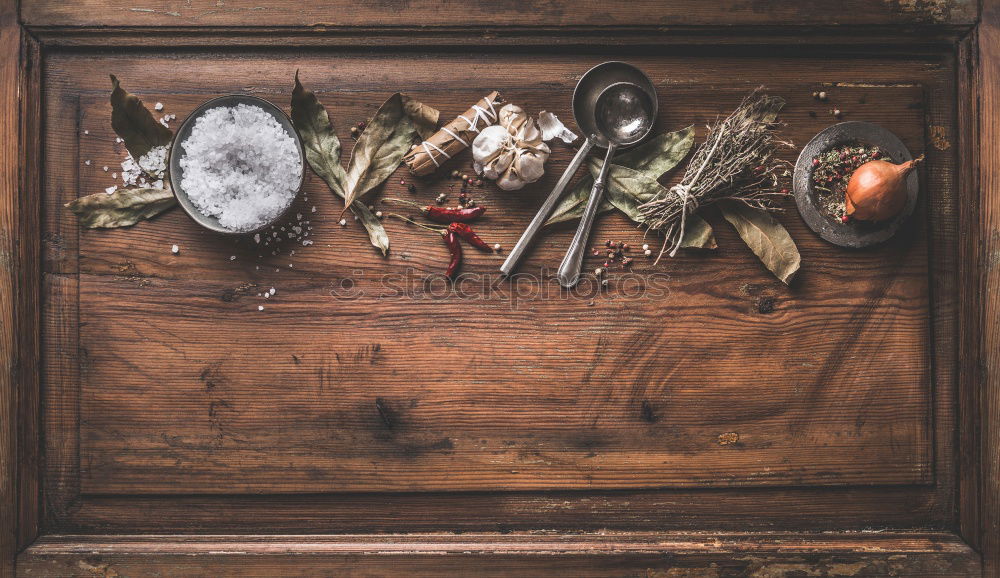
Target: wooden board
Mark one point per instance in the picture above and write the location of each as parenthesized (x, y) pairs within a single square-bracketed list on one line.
[(187, 388), (697, 394)]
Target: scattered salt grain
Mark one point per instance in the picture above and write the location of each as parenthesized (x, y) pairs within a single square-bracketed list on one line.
[(260, 308), (645, 247), (343, 222), (111, 189), (175, 249), (86, 132), (267, 295), (118, 139), (158, 106), (272, 291), (314, 209), (87, 162), (114, 175), (232, 257), (256, 238), (105, 168), (241, 166)]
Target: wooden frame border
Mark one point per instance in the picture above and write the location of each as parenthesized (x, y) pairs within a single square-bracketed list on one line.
[(978, 86)]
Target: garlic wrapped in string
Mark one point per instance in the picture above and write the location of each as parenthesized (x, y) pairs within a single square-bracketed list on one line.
[(511, 152)]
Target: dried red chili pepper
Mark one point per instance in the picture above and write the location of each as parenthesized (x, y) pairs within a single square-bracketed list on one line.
[(465, 231), (450, 240), (443, 214), (455, 249)]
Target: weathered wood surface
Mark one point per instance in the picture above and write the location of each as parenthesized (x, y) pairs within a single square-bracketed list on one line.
[(100, 289), (10, 229), (186, 387), (606, 554), (458, 14), (987, 268)]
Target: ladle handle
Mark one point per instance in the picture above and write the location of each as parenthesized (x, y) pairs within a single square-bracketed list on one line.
[(569, 269), (543, 213)]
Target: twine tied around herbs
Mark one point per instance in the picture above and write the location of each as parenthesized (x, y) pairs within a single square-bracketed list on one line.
[(737, 161)]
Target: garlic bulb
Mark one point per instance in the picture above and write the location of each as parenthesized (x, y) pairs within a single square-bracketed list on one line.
[(512, 152)]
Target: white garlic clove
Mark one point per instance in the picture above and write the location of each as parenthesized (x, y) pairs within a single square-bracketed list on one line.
[(552, 128)]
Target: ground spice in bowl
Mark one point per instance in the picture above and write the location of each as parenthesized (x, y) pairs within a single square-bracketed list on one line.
[(239, 165)]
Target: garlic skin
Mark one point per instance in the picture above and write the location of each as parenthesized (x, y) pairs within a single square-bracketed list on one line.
[(552, 128), (512, 152)]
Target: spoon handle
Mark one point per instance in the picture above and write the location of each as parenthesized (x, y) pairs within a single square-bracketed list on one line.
[(569, 269), (543, 213)]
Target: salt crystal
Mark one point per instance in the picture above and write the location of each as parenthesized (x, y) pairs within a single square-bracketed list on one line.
[(105, 168), (111, 189), (87, 162), (343, 222), (118, 139), (256, 238), (86, 132), (158, 106), (260, 308), (114, 175), (232, 257), (267, 295), (314, 209), (175, 249), (163, 121), (290, 265), (272, 291), (240, 166)]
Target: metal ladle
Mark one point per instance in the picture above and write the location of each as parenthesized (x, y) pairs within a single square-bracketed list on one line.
[(590, 86), (624, 116)]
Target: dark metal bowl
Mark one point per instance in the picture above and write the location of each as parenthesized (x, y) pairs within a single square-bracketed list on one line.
[(176, 173), (855, 233)]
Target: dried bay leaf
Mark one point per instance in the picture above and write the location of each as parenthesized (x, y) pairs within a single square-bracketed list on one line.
[(627, 188), (654, 158), (698, 234), (384, 142), (322, 148), (659, 154), (122, 208), (766, 237), (133, 122), (571, 206)]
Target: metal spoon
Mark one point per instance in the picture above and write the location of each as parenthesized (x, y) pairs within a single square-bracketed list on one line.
[(624, 116), (585, 95)]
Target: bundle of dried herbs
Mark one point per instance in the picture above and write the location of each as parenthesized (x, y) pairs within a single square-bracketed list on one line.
[(736, 161)]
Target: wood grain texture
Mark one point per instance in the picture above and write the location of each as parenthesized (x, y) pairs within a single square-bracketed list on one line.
[(9, 229), (481, 14), (12, 284), (989, 270), (605, 554), (449, 434), (98, 267), (970, 297), (791, 509)]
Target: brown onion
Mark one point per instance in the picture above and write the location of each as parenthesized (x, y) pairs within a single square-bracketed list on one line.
[(877, 190)]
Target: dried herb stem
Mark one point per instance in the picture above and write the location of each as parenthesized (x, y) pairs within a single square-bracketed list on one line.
[(737, 160)]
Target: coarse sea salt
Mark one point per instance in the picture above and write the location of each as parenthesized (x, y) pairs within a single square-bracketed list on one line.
[(240, 166)]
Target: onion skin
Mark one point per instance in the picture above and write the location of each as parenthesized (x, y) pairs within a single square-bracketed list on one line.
[(877, 190)]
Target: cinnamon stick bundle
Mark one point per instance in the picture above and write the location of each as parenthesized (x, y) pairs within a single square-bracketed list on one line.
[(426, 157)]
